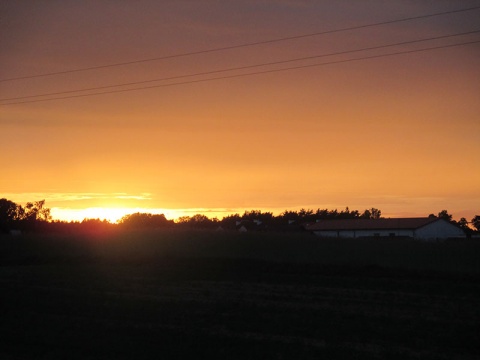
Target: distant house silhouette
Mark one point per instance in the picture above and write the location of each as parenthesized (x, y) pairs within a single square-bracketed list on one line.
[(250, 225), (427, 228)]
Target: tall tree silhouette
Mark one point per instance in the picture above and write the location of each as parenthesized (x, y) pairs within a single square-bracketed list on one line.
[(372, 213), (476, 222), (10, 215), (445, 215)]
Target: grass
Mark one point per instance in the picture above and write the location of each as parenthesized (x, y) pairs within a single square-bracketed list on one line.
[(460, 256), (205, 294)]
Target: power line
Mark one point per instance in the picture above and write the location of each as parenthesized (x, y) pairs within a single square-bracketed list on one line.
[(251, 74), (243, 67), (243, 45)]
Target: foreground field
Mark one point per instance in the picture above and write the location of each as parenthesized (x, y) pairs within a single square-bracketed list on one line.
[(210, 295)]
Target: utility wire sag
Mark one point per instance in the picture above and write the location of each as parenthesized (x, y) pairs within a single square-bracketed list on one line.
[(252, 73), (243, 67)]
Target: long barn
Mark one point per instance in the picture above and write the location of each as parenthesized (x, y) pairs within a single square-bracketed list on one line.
[(428, 228)]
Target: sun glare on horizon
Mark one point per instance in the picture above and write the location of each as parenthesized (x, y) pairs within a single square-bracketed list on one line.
[(114, 214), (111, 214)]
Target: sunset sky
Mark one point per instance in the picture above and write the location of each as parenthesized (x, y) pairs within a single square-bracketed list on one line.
[(400, 133)]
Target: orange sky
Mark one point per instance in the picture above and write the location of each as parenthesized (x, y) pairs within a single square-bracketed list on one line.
[(399, 133)]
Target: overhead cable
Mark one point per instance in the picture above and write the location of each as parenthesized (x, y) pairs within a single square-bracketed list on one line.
[(251, 73), (242, 67)]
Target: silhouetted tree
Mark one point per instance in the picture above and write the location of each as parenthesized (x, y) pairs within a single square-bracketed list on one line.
[(332, 214), (183, 219), (322, 214), (13, 215), (463, 224), (257, 215), (88, 226), (305, 213), (354, 214), (289, 216), (372, 213), (37, 211), (376, 213), (36, 216), (145, 220), (445, 215), (197, 221), (347, 214), (476, 222), (10, 215), (366, 214), (230, 221), (302, 216)]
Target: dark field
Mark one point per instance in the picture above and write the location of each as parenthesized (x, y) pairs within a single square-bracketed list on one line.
[(237, 296)]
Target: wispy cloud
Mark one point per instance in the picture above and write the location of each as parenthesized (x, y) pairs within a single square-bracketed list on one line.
[(72, 197), (143, 196)]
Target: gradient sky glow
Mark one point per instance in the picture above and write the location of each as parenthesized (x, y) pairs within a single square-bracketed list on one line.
[(399, 133)]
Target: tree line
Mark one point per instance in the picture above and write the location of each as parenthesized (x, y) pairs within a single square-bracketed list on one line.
[(34, 216), (28, 217)]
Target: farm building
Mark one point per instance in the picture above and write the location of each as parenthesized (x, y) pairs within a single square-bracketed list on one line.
[(428, 228)]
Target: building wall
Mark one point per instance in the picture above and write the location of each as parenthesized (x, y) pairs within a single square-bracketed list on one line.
[(346, 233), (385, 232), (440, 230), (364, 233), (326, 233)]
